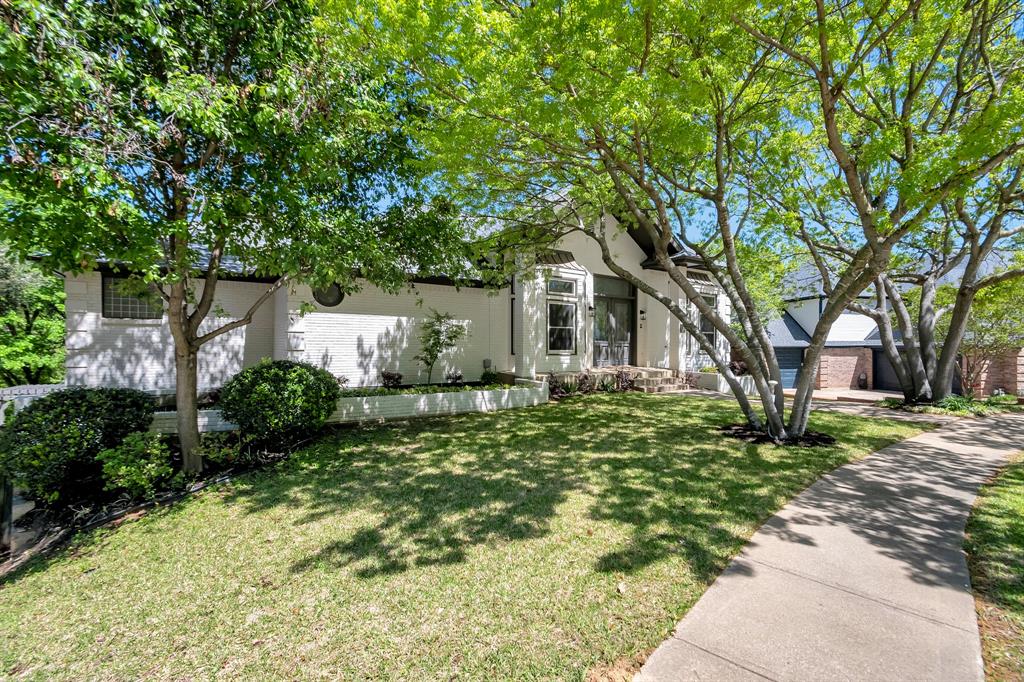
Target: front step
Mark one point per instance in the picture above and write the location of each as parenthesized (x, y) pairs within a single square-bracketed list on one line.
[(667, 387)]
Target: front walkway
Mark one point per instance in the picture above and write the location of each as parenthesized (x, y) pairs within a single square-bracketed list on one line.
[(861, 577), (850, 395)]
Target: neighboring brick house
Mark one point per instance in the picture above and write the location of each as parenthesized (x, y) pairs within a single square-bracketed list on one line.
[(853, 356), (1004, 373), (848, 359)]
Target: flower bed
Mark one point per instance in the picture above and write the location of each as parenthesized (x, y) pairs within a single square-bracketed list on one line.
[(422, 389), (398, 403)]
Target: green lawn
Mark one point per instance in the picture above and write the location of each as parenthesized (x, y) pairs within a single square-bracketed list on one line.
[(536, 543), (995, 543)]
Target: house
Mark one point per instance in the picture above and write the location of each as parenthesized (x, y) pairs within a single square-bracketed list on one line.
[(853, 357), (569, 313)]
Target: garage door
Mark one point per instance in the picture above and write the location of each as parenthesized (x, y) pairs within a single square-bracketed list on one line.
[(789, 364), (885, 375)]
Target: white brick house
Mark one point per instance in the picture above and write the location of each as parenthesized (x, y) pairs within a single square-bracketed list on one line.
[(568, 314)]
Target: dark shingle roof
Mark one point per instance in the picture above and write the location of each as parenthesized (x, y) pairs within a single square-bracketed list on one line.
[(785, 332)]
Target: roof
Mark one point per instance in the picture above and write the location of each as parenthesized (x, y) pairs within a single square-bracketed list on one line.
[(560, 258), (786, 332)]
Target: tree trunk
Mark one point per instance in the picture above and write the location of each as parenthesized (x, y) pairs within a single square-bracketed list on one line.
[(186, 399), (6, 516), (951, 345)]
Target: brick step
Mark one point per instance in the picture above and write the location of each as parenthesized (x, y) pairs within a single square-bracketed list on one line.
[(656, 381), (678, 385)]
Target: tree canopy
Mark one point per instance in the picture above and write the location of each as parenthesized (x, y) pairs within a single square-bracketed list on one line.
[(31, 323), (174, 140), (833, 128)]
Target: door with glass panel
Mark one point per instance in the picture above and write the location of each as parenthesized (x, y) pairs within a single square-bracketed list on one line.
[(614, 321)]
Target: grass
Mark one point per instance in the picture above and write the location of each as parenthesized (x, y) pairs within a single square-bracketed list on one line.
[(958, 406), (536, 543), (995, 544)]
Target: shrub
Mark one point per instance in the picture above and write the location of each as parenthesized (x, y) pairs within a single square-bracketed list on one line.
[(738, 367), (139, 465), (489, 378), (710, 369), (390, 379), (624, 381), (956, 403), (49, 448), (223, 448), (276, 403), (560, 386), (453, 376)]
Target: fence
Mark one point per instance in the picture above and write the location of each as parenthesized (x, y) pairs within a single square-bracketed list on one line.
[(14, 398)]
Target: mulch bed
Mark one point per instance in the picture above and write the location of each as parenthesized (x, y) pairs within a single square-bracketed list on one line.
[(810, 439)]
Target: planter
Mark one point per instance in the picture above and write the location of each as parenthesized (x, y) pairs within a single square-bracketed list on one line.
[(402, 406), (381, 407), (713, 381)]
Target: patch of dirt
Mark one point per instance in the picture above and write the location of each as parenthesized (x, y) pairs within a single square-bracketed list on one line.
[(810, 439), (621, 670), (1002, 641)]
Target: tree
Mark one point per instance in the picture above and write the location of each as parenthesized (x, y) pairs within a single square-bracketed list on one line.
[(550, 116), (175, 139), (31, 323), (919, 105), (966, 245), (441, 333), (995, 328)]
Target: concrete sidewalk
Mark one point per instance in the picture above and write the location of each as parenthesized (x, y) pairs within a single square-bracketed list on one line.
[(861, 577)]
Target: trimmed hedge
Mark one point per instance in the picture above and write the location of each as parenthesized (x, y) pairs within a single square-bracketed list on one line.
[(49, 448), (276, 403)]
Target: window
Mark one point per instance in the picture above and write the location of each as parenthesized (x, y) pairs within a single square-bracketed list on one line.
[(561, 327), (613, 287), (706, 326), (118, 303), (562, 286)]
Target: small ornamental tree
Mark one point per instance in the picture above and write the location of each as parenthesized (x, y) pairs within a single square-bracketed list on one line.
[(441, 333), (176, 139)]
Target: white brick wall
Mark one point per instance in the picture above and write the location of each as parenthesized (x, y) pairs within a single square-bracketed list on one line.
[(371, 331), (434, 404), (140, 353)]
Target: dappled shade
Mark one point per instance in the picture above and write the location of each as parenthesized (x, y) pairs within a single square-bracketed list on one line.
[(536, 542)]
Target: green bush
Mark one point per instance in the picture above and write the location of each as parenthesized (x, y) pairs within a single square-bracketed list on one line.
[(49, 448), (956, 403), (489, 377), (276, 403), (140, 465), (223, 448)]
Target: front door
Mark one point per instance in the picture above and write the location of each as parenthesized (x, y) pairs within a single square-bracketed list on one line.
[(614, 321)]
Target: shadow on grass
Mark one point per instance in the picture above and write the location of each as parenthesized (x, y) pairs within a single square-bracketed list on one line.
[(654, 465)]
